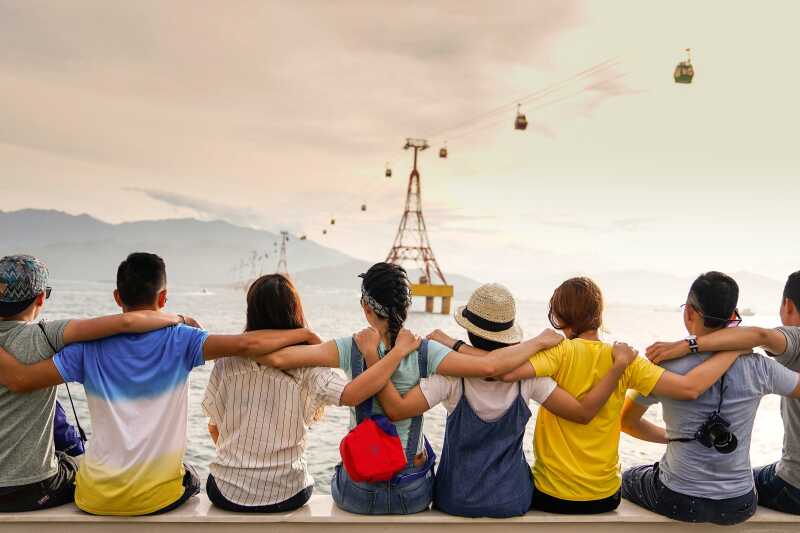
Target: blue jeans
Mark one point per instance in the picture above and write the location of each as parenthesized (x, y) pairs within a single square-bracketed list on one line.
[(381, 498), (642, 486), (775, 493)]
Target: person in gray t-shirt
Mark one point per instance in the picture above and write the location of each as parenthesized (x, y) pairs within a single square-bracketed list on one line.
[(705, 474), (32, 474), (778, 484)]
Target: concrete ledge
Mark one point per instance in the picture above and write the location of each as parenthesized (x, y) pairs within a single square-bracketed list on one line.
[(199, 516)]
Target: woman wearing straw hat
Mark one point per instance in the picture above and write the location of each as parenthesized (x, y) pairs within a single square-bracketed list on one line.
[(483, 470)]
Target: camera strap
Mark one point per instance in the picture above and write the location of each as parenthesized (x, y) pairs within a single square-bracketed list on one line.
[(722, 389), (74, 411)]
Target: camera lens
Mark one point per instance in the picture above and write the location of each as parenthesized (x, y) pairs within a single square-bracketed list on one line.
[(723, 440)]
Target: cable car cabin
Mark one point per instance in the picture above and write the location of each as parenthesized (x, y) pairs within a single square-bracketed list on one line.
[(303, 237), (684, 72), (324, 232), (363, 207), (388, 172), (443, 153), (333, 222), (521, 122)]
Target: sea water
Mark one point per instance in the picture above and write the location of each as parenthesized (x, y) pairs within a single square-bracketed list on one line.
[(335, 313)]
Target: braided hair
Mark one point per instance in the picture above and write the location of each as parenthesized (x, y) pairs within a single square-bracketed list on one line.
[(386, 290)]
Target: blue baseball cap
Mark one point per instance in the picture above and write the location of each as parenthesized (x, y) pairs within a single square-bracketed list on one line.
[(22, 279)]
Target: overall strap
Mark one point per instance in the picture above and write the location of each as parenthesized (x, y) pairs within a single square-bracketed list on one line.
[(74, 412), (415, 430), (364, 409)]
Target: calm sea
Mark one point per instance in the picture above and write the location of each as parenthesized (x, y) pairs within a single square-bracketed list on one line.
[(335, 313)]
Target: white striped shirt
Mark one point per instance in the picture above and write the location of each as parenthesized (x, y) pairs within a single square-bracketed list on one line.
[(262, 415)]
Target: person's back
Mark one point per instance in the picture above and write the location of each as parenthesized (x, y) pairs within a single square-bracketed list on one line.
[(581, 462), (689, 467), (262, 415), (137, 394)]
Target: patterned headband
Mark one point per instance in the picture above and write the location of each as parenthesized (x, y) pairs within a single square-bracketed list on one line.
[(380, 309)]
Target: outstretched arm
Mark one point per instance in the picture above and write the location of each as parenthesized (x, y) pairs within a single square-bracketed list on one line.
[(324, 355), (742, 338), (377, 375), (91, 329), (563, 404), (19, 377), (256, 343), (497, 362), (698, 380), (635, 425)]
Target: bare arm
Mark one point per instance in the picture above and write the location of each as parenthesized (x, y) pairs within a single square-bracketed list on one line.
[(255, 343), (377, 375), (497, 362), (19, 377), (323, 355), (635, 425), (743, 338), (105, 326), (442, 338), (563, 404), (698, 380)]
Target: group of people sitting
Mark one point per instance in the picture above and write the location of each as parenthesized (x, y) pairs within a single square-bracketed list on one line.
[(272, 382)]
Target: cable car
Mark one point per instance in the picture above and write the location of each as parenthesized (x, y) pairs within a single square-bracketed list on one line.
[(443, 151), (333, 222), (521, 122), (363, 207), (303, 237), (388, 170), (324, 232), (684, 71)]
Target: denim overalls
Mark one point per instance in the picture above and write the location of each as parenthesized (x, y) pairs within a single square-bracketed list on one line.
[(483, 471), (411, 490)]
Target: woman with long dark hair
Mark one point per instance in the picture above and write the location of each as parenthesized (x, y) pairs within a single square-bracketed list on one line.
[(385, 300), (259, 415)]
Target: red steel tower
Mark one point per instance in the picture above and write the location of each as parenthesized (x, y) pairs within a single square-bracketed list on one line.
[(412, 245)]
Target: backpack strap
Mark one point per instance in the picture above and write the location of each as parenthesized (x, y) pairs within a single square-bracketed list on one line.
[(415, 430), (74, 412), (364, 409)]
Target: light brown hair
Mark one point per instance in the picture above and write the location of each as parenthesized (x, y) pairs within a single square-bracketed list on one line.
[(576, 304)]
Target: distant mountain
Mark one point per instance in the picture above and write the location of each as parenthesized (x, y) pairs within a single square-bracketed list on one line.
[(196, 252)]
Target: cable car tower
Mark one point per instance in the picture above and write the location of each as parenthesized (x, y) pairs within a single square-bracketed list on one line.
[(283, 266), (412, 245)]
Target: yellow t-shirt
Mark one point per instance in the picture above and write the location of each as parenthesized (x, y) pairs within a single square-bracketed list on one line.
[(581, 462)]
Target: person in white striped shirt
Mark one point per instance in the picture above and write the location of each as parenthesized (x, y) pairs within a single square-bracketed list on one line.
[(259, 415)]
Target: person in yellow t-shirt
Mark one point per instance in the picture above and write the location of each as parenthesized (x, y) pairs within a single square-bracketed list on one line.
[(576, 470)]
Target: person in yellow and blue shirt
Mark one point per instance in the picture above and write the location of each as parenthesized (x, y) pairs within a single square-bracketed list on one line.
[(137, 394)]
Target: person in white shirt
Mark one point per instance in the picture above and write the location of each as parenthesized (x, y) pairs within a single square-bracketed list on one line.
[(483, 471), (259, 415)]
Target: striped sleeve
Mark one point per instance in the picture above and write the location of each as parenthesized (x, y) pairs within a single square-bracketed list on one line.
[(211, 405), (326, 384)]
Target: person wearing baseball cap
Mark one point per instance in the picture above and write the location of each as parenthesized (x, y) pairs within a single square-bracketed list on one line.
[(34, 472), (483, 471)]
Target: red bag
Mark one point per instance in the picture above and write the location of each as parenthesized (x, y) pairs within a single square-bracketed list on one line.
[(372, 451)]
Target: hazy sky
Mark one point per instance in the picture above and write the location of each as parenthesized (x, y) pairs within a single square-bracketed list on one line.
[(281, 115)]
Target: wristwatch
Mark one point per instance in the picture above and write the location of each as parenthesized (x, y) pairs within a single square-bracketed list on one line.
[(692, 340), (457, 345)]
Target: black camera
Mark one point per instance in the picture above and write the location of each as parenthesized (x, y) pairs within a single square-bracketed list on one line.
[(715, 433)]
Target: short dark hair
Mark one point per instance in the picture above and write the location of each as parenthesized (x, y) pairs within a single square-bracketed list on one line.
[(792, 289), (273, 303), (717, 295), (485, 344), (576, 304), (140, 278)]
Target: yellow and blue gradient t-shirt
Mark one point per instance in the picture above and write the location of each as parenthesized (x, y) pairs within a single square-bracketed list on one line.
[(581, 462), (137, 393)]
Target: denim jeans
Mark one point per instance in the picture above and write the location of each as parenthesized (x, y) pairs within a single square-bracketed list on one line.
[(775, 493), (381, 498), (642, 486)]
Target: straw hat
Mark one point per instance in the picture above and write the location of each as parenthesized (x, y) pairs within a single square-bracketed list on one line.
[(491, 314)]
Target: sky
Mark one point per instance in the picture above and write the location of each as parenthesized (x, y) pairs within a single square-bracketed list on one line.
[(282, 115)]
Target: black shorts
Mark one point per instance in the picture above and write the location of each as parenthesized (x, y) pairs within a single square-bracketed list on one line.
[(219, 500), (51, 492)]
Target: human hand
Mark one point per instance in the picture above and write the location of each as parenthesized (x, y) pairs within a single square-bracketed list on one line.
[(623, 354), (191, 322), (548, 338), (367, 341), (441, 337), (407, 342), (312, 337), (658, 352)]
